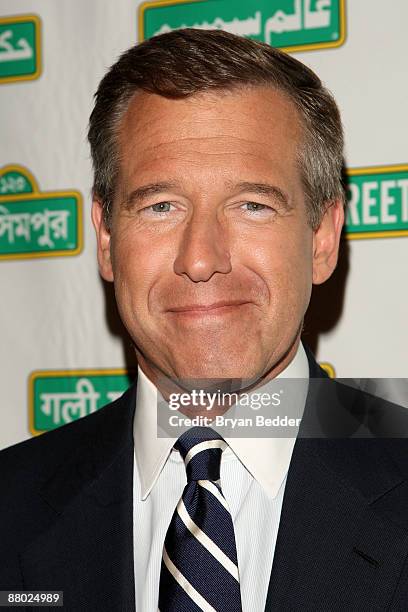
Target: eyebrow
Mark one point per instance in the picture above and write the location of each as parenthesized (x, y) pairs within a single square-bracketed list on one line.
[(143, 192), (265, 189), (140, 193)]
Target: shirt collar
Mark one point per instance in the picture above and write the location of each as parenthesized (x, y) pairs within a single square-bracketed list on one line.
[(267, 459)]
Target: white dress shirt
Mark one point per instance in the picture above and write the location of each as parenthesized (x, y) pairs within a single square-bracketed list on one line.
[(253, 477)]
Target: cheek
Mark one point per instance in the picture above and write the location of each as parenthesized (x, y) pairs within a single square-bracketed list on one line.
[(139, 266), (285, 265), (130, 271), (299, 274)]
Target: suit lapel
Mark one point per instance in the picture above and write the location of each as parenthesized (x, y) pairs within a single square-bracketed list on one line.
[(340, 544), (86, 550)]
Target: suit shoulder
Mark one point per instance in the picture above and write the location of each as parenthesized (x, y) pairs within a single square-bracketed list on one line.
[(37, 456), (386, 421)]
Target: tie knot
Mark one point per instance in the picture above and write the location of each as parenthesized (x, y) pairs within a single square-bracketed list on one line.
[(201, 449)]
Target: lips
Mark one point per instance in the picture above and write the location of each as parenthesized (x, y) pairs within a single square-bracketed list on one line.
[(206, 307)]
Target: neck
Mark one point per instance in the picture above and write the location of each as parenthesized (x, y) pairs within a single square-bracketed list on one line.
[(212, 401)]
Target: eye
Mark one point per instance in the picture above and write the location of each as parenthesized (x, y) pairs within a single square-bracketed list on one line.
[(164, 212), (256, 207), (160, 207)]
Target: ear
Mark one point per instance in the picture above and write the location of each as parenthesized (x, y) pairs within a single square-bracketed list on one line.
[(103, 238), (326, 239)]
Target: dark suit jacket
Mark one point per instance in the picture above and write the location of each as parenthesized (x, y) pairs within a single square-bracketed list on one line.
[(66, 510)]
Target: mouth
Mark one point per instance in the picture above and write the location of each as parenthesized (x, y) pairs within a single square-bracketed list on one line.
[(200, 310)]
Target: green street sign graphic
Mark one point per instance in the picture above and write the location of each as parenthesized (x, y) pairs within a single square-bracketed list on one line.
[(35, 224), (57, 397), (377, 202), (292, 25), (20, 48)]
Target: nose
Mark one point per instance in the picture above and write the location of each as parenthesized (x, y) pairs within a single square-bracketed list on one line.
[(203, 249)]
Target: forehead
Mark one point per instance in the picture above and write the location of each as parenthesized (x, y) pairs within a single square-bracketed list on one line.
[(258, 126)]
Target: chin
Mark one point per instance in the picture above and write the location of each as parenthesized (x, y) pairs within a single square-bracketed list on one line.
[(215, 369)]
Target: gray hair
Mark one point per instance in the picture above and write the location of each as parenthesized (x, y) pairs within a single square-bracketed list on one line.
[(184, 62)]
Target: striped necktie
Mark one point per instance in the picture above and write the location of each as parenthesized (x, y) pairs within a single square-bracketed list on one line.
[(199, 569)]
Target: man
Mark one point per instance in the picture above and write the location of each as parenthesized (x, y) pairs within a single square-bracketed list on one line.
[(217, 204)]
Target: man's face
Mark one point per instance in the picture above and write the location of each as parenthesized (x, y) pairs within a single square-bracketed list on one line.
[(209, 247)]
